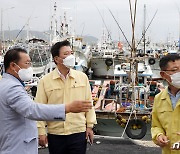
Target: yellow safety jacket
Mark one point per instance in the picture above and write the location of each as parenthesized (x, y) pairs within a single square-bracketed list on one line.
[(166, 120)]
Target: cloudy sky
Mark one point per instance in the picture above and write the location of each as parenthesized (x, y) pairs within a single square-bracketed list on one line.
[(87, 20)]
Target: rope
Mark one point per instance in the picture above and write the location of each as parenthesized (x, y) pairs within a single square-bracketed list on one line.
[(127, 123)]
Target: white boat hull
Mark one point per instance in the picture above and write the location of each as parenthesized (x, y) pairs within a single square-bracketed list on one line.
[(100, 69)]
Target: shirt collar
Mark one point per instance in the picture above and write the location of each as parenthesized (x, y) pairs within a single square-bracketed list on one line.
[(62, 76), (56, 73), (169, 92)]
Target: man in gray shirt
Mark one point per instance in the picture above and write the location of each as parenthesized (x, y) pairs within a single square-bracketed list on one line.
[(18, 112)]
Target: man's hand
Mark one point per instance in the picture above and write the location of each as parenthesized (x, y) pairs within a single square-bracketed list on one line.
[(43, 140), (89, 135), (78, 106), (162, 140)]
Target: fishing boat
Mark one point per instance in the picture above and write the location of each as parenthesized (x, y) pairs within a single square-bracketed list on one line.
[(127, 100), (105, 56), (39, 52), (81, 50), (129, 105)]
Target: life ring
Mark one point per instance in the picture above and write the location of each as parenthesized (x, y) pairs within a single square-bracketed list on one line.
[(151, 61), (138, 122), (109, 62)]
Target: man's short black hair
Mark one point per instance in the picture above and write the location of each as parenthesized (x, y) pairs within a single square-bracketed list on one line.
[(12, 55), (163, 64), (56, 47)]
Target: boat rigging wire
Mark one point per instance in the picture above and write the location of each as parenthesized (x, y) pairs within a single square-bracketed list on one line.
[(120, 28), (147, 28), (133, 28), (109, 34), (22, 28)]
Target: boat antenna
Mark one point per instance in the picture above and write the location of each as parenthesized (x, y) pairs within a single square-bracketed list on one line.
[(120, 28), (147, 28)]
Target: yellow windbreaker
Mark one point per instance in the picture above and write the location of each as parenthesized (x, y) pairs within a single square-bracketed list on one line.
[(166, 120), (53, 90)]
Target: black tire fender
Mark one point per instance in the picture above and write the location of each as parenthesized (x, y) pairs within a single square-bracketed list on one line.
[(109, 62), (129, 130)]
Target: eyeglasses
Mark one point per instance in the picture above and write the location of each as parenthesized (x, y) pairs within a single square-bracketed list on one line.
[(174, 71)]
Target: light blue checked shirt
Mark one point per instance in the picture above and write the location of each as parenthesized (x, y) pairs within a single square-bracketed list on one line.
[(174, 99)]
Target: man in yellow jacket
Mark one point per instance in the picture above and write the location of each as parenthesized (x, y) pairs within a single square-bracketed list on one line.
[(64, 84), (166, 109)]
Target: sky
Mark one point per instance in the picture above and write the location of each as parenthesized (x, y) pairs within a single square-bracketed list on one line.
[(87, 20)]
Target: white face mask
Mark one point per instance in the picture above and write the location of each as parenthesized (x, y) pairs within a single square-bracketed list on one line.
[(69, 61), (25, 74), (175, 79)]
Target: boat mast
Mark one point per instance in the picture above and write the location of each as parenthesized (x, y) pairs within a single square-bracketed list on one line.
[(144, 29), (53, 26), (133, 62), (55, 20), (133, 21)]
